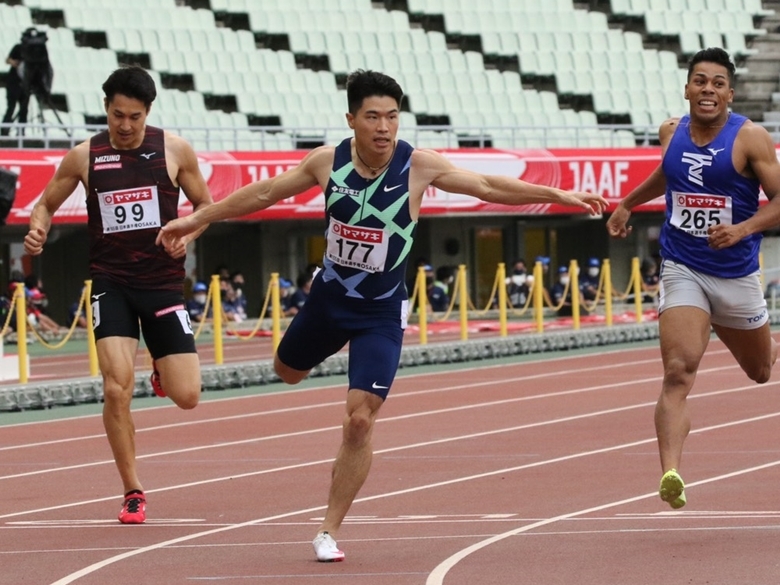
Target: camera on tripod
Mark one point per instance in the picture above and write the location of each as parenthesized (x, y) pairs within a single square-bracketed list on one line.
[(36, 70)]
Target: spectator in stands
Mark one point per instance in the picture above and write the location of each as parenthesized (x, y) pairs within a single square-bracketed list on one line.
[(237, 280), (517, 289), (286, 290), (136, 279), (196, 306), (14, 92), (303, 284), (439, 292), (650, 281), (37, 301), (231, 303), (714, 163), (590, 280), (77, 311), (561, 292), (359, 297)]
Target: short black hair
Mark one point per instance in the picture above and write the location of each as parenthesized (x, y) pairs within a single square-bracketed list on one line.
[(132, 81), (713, 55), (362, 84)]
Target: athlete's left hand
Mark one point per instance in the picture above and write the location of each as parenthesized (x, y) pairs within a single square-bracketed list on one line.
[(724, 236)]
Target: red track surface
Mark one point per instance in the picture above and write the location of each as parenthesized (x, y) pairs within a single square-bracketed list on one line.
[(539, 472)]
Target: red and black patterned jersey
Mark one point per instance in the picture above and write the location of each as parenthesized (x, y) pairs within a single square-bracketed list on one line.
[(129, 197)]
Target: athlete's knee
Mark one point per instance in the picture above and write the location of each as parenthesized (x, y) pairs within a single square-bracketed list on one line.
[(678, 375), (761, 373), (357, 427), (187, 400), (287, 374)]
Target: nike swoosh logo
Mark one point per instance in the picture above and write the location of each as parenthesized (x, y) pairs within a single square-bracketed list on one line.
[(376, 386), (96, 297), (388, 189)]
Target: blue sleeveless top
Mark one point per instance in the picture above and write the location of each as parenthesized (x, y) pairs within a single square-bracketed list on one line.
[(370, 230), (703, 188)]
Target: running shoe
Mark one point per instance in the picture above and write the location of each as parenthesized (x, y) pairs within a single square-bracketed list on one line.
[(134, 508), (326, 549), (155, 379), (672, 489)]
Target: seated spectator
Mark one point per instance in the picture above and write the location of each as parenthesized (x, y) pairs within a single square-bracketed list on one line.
[(285, 298), (439, 291), (231, 304), (298, 298), (196, 306), (237, 280), (590, 280), (77, 312), (517, 289), (36, 306)]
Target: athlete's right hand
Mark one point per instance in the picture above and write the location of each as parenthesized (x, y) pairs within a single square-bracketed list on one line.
[(34, 241), (617, 224)]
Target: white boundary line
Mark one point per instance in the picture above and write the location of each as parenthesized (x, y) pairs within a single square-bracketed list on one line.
[(444, 567)]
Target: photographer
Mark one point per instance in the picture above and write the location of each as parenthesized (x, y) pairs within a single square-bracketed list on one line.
[(13, 90)]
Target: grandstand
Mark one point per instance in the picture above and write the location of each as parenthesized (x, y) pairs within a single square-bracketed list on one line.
[(269, 74)]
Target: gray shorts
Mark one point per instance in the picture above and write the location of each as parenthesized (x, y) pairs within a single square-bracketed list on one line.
[(737, 303)]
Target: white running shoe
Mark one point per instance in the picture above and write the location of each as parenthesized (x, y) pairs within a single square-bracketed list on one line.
[(326, 549)]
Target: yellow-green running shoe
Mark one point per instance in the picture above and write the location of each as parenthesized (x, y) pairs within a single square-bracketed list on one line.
[(672, 489)]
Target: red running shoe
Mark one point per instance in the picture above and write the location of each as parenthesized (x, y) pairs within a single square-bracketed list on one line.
[(134, 508), (155, 379)]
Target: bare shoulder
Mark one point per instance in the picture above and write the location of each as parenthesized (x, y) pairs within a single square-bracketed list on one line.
[(177, 145), (667, 128), (319, 161), (76, 161)]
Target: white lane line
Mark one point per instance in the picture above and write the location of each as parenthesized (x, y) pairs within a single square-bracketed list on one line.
[(437, 576), (412, 394), (543, 396), (105, 562)]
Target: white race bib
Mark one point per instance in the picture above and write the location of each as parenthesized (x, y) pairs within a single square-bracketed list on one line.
[(129, 209), (363, 248), (694, 213)]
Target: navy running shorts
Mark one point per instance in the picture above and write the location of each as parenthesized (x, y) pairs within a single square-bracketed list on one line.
[(326, 323)]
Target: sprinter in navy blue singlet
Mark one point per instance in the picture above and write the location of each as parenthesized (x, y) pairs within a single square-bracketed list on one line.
[(373, 185), (714, 162), (132, 175)]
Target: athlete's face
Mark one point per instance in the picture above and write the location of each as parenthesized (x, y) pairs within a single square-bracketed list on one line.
[(375, 124), (709, 92), (126, 121)]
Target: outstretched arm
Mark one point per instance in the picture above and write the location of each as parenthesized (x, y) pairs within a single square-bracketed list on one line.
[(431, 168), (652, 187), (256, 196)]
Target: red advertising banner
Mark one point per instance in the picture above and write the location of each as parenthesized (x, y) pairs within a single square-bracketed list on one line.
[(612, 173)]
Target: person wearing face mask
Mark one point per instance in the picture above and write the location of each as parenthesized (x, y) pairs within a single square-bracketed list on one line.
[(560, 289), (589, 282), (196, 306), (517, 285)]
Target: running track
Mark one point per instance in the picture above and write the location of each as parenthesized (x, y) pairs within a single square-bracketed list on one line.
[(527, 470)]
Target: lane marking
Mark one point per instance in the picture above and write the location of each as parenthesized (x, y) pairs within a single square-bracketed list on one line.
[(444, 567), (587, 389)]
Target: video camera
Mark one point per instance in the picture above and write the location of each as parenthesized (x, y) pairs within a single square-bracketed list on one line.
[(36, 73)]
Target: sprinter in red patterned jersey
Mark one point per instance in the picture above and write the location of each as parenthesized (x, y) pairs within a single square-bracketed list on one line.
[(132, 174)]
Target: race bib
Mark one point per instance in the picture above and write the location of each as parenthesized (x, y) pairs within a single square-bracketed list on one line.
[(357, 247), (129, 209), (695, 213)]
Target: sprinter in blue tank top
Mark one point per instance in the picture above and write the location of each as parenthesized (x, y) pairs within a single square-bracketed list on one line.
[(714, 162), (373, 186)]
